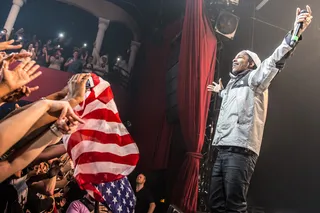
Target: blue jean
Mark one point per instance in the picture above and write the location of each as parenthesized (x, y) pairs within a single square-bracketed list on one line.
[(231, 175)]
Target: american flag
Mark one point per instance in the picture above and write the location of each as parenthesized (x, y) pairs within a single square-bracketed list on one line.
[(118, 195), (101, 149)]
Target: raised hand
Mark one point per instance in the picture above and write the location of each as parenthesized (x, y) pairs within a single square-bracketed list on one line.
[(304, 18), (7, 45), (77, 86), (66, 111), (17, 94), (66, 126), (214, 87), (24, 73)]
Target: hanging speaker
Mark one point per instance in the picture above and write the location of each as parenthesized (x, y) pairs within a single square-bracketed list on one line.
[(227, 24)]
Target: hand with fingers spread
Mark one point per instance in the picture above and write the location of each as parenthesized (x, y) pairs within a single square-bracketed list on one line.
[(24, 73), (17, 94), (214, 87), (8, 45), (13, 57), (304, 18), (77, 86)]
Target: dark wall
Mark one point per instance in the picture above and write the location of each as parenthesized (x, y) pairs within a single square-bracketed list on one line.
[(287, 172)]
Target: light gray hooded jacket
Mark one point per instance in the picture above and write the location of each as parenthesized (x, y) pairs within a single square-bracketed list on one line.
[(244, 105)]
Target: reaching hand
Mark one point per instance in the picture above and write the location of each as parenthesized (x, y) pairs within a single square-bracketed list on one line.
[(17, 94), (12, 57), (66, 126), (66, 111), (24, 73), (214, 87), (7, 45), (304, 18), (77, 86)]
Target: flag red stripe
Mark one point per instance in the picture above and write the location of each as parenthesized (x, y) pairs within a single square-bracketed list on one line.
[(89, 157), (98, 113), (96, 79), (96, 178), (98, 137), (106, 95)]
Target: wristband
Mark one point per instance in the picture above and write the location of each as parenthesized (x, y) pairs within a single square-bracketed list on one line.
[(54, 129)]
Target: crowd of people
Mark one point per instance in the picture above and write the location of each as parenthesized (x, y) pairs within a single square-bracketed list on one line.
[(50, 54), (36, 172)]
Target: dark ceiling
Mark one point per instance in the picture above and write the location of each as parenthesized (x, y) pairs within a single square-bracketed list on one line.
[(152, 13)]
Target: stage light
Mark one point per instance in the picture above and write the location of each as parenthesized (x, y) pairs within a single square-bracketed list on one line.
[(119, 58), (227, 24), (61, 35), (220, 14), (84, 45), (58, 46)]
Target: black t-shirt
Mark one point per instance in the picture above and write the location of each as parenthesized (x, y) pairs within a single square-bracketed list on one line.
[(37, 204), (9, 199), (144, 198)]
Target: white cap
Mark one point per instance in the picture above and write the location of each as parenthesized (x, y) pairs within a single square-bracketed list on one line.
[(254, 57)]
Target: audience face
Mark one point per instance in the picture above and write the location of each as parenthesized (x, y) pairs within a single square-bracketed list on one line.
[(30, 47), (44, 49), (105, 60), (76, 54), (42, 168), (90, 59), (58, 54), (141, 179)]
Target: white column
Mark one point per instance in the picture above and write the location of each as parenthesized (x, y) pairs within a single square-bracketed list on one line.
[(102, 27), (133, 54), (17, 4)]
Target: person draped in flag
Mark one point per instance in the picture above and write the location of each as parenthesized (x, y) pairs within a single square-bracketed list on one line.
[(102, 150)]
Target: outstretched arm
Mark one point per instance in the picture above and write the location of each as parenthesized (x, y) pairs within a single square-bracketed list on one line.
[(261, 77)]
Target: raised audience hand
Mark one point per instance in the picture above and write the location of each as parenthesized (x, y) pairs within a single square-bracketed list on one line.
[(24, 73), (66, 111), (8, 45), (77, 86), (66, 126), (17, 94), (13, 57)]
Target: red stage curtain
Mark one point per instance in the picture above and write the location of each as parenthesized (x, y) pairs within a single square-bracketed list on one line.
[(197, 65), (150, 129)]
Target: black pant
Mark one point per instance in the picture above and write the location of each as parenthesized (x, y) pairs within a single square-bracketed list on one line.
[(230, 179)]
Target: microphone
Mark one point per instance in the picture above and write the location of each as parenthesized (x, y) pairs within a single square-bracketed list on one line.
[(295, 37)]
